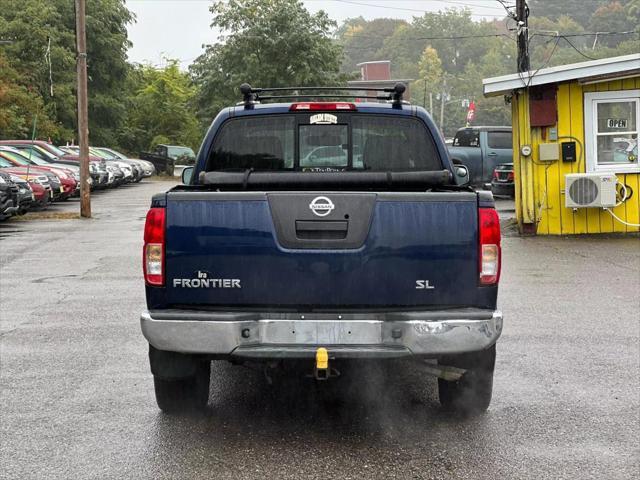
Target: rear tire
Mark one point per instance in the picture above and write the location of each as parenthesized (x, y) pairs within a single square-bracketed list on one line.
[(471, 395), (184, 395)]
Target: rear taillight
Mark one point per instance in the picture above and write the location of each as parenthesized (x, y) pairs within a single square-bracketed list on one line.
[(510, 176), (153, 252), (496, 175), (490, 253), (325, 106)]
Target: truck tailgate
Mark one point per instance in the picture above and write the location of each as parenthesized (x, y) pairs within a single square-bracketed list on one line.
[(321, 250)]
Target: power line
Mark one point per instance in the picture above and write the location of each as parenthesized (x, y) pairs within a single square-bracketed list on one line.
[(362, 4), (507, 8), (376, 48), (492, 35), (488, 35), (576, 48), (449, 2), (557, 38), (546, 33), (452, 2), (457, 37), (546, 62)]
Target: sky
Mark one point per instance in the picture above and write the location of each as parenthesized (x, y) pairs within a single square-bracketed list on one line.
[(177, 29)]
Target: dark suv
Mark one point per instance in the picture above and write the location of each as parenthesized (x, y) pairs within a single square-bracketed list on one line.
[(8, 196)]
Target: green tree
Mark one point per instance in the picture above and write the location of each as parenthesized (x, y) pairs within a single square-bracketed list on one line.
[(453, 68), (499, 59), (590, 15), (362, 39), (107, 47), (43, 54), (404, 51), (20, 106), (548, 26), (161, 104), (633, 11), (613, 17), (578, 10), (266, 43), (429, 81), (404, 48)]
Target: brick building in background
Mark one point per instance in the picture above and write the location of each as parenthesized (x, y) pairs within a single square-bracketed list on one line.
[(377, 74)]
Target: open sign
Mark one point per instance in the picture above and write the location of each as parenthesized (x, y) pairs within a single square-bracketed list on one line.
[(616, 123)]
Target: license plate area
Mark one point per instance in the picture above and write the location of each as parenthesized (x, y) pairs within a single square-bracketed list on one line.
[(320, 332)]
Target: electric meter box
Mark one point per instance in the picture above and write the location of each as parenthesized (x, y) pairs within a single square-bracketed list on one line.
[(548, 152)]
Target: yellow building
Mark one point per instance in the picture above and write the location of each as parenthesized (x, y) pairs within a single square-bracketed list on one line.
[(582, 119)]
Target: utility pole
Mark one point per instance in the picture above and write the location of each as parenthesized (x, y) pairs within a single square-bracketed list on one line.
[(442, 100), (424, 96), (522, 15), (83, 110)]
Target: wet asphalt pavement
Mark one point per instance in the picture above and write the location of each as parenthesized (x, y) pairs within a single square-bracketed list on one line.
[(76, 397)]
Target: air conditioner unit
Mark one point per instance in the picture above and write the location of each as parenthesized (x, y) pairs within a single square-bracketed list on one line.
[(590, 190)]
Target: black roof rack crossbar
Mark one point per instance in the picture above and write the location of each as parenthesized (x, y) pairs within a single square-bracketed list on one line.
[(276, 97), (352, 89), (251, 95)]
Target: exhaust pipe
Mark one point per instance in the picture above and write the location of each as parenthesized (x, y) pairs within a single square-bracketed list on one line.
[(450, 374)]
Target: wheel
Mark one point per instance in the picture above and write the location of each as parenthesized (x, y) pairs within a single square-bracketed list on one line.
[(471, 395), (184, 395)]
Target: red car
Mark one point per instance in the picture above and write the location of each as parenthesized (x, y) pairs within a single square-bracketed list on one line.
[(39, 183), (69, 184), (41, 195)]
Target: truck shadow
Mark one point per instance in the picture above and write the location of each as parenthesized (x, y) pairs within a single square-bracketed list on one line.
[(374, 416), (367, 396), (387, 398)]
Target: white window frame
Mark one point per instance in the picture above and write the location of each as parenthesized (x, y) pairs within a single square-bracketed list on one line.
[(591, 99)]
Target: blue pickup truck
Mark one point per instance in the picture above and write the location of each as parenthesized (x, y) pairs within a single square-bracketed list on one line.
[(319, 232), (481, 150)]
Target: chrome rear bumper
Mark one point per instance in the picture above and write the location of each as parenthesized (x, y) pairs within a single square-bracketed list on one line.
[(269, 335)]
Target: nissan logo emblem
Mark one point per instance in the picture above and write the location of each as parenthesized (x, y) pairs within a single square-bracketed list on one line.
[(321, 206)]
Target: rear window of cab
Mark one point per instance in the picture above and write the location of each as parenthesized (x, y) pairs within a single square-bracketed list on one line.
[(324, 142)]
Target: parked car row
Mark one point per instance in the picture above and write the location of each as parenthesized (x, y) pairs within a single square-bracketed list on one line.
[(35, 173)]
